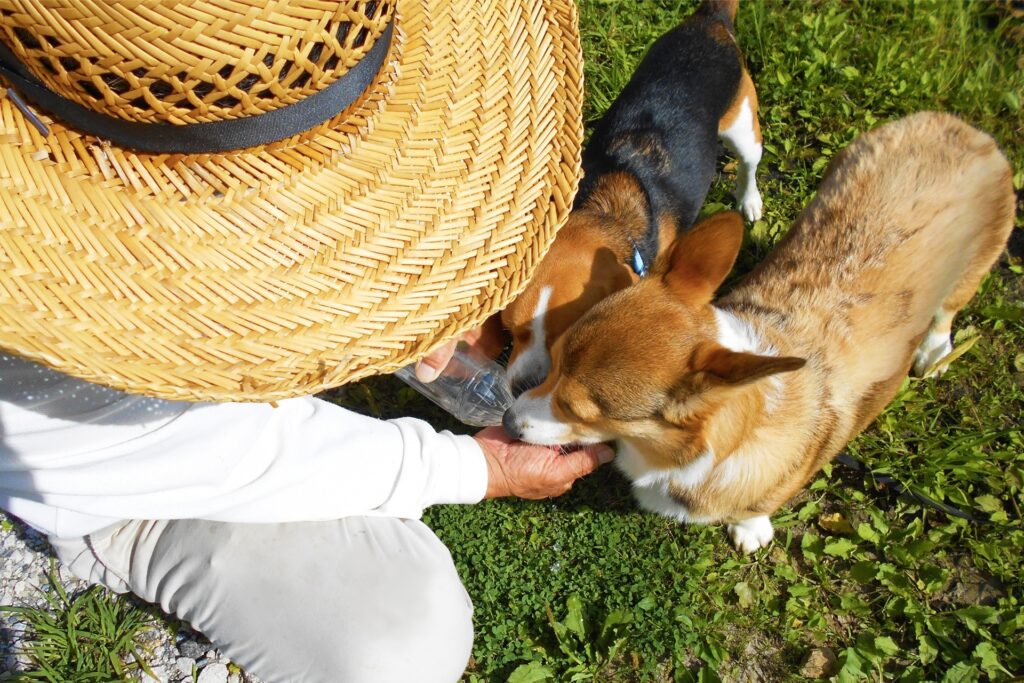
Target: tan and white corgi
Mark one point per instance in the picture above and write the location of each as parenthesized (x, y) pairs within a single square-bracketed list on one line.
[(723, 410), (647, 168)]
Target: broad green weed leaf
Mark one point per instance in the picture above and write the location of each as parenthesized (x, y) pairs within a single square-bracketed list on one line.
[(886, 645), (648, 603), (1011, 100), (574, 618), (962, 672), (976, 615), (864, 572), (534, 672), (744, 593), (841, 547), (1010, 626), (708, 675), (933, 578), (811, 545), (920, 548), (612, 622), (1009, 313), (557, 626), (989, 660), (799, 590), (989, 503), (866, 532), (852, 669), (785, 572), (808, 510), (927, 649), (965, 333)]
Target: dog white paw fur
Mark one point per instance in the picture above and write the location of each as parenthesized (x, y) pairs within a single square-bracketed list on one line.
[(934, 348), (750, 205), (752, 534)]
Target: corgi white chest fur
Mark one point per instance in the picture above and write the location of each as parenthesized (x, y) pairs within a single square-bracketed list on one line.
[(652, 487)]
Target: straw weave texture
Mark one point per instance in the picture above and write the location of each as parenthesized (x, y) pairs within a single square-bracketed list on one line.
[(346, 251), (186, 62)]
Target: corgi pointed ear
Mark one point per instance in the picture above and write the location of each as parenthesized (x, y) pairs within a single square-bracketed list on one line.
[(703, 256), (725, 366)]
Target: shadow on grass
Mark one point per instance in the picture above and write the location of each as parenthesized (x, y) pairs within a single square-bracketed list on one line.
[(1015, 246), (605, 490)]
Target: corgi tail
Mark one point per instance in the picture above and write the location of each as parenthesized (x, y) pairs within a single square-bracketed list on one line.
[(724, 9)]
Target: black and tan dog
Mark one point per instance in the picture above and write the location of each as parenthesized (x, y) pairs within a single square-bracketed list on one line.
[(647, 169)]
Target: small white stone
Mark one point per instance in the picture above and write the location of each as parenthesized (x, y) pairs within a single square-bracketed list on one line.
[(213, 673), (159, 675), (185, 665), (12, 663)]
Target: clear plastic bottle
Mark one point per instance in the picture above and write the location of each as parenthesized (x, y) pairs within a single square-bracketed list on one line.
[(472, 387)]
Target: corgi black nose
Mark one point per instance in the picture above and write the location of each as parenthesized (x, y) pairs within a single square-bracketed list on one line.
[(509, 422)]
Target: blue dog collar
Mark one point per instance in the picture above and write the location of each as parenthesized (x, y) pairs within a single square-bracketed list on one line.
[(636, 262)]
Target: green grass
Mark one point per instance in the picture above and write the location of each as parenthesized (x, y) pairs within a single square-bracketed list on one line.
[(89, 637), (585, 587)]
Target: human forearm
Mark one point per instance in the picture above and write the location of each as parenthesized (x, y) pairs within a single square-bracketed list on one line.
[(74, 455)]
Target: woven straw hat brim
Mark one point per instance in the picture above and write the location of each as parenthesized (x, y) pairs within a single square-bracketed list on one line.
[(347, 251)]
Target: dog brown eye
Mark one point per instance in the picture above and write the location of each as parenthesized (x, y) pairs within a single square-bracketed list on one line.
[(523, 336)]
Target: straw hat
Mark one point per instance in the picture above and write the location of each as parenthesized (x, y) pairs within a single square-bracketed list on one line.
[(256, 199)]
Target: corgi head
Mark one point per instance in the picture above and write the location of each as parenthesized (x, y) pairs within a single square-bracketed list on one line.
[(647, 363), (575, 274), (586, 263)]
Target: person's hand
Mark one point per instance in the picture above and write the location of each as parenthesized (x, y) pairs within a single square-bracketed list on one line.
[(515, 468), (489, 338)]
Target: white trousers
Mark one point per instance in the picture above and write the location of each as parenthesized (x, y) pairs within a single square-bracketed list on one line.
[(361, 599)]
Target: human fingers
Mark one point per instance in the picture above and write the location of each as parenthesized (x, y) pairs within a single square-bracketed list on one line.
[(488, 338), (579, 463), (545, 472), (430, 366)]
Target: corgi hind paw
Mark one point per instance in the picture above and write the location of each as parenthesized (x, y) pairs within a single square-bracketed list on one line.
[(752, 534), (934, 348), (751, 206)]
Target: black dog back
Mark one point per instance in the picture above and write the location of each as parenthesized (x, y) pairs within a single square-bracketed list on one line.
[(663, 127)]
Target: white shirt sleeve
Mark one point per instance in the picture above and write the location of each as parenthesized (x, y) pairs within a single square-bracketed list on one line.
[(75, 457)]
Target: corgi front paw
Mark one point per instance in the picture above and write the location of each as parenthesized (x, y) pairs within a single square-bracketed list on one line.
[(752, 534), (935, 347), (750, 205)]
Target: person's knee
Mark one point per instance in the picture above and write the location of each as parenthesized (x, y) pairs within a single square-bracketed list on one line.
[(361, 599), (421, 631)]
